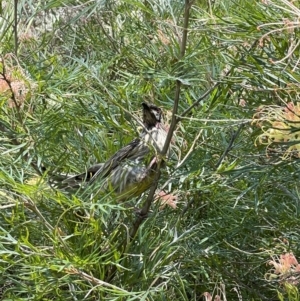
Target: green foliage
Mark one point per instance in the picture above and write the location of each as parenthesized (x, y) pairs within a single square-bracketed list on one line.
[(71, 97), (292, 293)]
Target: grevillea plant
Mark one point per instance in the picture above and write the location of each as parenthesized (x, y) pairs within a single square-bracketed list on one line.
[(281, 126), (285, 269)]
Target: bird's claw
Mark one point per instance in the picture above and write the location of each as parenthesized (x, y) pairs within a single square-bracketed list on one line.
[(139, 213)]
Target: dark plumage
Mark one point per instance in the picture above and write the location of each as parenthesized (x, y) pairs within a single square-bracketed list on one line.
[(131, 170)]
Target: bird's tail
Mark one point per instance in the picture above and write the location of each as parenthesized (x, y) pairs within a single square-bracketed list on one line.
[(67, 181)]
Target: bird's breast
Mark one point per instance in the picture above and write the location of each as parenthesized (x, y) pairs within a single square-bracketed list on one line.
[(156, 137)]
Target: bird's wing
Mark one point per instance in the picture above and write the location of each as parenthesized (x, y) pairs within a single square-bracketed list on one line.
[(131, 151)]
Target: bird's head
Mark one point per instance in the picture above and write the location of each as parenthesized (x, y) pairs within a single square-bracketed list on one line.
[(152, 115)]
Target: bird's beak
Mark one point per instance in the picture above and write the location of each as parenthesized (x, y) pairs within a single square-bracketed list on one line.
[(145, 106)]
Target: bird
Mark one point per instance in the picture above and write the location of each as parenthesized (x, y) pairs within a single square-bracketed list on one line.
[(132, 169)]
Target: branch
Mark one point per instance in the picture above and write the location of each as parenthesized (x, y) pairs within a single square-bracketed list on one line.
[(174, 121), (230, 145), (199, 99), (6, 128), (73, 271), (13, 96), (215, 85), (16, 26)]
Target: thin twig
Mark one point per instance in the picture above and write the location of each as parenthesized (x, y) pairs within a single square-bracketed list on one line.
[(242, 251), (179, 164), (199, 99), (93, 279), (11, 134), (195, 103), (230, 145), (13, 96), (16, 27)]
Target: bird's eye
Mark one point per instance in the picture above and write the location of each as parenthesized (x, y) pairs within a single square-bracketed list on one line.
[(156, 113)]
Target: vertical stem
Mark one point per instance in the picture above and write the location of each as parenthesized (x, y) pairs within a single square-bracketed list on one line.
[(186, 19), (16, 26), (175, 120)]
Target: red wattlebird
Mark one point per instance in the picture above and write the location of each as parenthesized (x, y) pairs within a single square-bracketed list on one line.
[(131, 170)]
